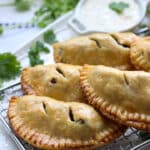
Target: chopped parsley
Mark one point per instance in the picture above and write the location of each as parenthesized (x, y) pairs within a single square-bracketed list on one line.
[(51, 10), (10, 67), (118, 7), (50, 37), (34, 53)]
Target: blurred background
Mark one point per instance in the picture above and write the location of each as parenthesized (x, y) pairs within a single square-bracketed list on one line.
[(21, 20)]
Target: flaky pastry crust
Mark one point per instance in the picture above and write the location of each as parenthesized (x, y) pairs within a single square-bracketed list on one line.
[(51, 125), (96, 49), (140, 54), (123, 96), (59, 81)]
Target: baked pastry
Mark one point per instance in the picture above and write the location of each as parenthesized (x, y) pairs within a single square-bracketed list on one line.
[(96, 49), (140, 53), (60, 81), (51, 125), (126, 38), (123, 96)]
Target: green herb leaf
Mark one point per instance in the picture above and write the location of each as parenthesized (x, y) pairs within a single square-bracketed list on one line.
[(143, 25), (144, 135), (10, 67), (50, 37), (51, 10), (22, 5), (148, 10), (118, 7), (1, 30), (34, 53), (1, 95)]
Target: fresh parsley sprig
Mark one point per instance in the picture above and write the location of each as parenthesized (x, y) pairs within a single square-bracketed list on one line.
[(50, 37), (148, 10), (51, 10), (1, 30), (118, 7), (21, 5), (10, 67), (48, 12), (34, 53)]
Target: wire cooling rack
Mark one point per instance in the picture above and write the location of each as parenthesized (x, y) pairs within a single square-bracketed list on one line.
[(129, 141)]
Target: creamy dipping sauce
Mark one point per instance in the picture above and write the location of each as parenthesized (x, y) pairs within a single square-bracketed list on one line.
[(96, 15)]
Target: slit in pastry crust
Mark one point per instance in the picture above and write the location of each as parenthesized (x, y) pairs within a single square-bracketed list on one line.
[(123, 96), (60, 81), (53, 128), (97, 49)]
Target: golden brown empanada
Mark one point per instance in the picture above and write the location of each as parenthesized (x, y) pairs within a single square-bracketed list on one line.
[(51, 125), (126, 39), (96, 49), (140, 53), (60, 81), (123, 96)]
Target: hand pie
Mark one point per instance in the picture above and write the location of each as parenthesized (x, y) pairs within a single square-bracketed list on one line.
[(140, 53), (123, 96), (51, 125), (96, 49), (60, 81), (126, 38)]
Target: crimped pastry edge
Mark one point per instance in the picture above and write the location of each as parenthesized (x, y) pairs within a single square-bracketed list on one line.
[(137, 60), (44, 142), (136, 120), (27, 89), (57, 58)]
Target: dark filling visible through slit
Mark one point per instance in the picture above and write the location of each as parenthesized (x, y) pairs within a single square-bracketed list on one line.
[(44, 107), (142, 53), (123, 45), (71, 116), (60, 71), (53, 81), (126, 79), (97, 43)]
